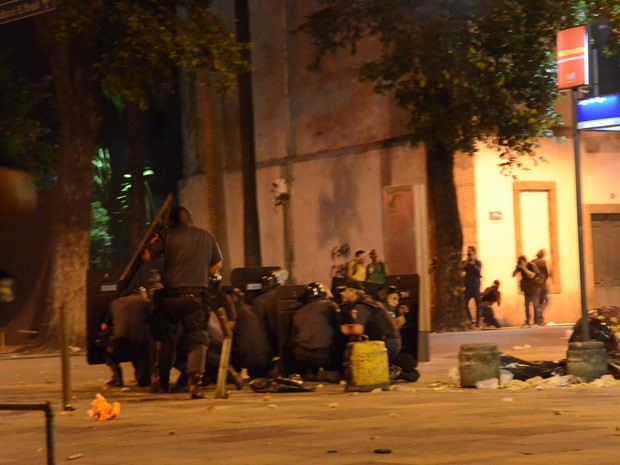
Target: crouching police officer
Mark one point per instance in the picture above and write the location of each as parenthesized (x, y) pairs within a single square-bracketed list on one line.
[(316, 339), (363, 315), (191, 255)]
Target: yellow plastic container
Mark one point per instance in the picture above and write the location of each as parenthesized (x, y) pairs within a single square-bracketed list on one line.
[(366, 366)]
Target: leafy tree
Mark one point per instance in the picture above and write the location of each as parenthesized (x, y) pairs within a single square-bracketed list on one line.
[(150, 41), (464, 71), (131, 49), (26, 142)]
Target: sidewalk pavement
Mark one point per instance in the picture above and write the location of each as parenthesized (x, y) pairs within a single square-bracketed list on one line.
[(414, 423)]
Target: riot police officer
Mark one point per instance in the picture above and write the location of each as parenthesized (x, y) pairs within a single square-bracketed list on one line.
[(191, 255)]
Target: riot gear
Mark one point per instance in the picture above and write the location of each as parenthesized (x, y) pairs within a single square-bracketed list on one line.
[(314, 290)]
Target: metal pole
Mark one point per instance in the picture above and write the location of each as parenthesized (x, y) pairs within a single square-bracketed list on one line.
[(64, 361), (49, 429), (49, 423), (422, 261), (288, 168), (585, 323)]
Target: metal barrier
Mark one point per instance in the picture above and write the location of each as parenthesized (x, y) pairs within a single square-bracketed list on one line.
[(49, 423)]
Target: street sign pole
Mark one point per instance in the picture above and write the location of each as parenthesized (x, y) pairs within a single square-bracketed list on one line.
[(585, 323)]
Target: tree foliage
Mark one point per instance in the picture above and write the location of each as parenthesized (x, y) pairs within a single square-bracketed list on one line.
[(464, 71), (26, 141), (130, 49), (148, 41)]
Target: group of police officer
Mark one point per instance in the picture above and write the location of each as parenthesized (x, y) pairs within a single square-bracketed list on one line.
[(189, 337)]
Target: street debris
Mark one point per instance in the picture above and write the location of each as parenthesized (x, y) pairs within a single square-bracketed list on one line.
[(102, 410), (492, 383), (292, 383)]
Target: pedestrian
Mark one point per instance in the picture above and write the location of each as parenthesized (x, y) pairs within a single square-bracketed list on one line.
[(545, 272), (191, 255), (490, 296), (376, 270), (473, 268), (355, 268), (530, 287)]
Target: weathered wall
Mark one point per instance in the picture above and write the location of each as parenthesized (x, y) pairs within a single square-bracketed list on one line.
[(346, 144), (334, 129)]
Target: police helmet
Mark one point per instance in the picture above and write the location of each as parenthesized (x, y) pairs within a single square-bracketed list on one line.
[(313, 290), (274, 279), (215, 281)]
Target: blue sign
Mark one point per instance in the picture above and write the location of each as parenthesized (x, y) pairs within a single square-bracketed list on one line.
[(12, 10), (601, 112)]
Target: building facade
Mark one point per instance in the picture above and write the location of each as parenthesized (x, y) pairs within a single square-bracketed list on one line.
[(334, 161)]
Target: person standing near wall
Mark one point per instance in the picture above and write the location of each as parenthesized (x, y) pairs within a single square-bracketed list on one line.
[(376, 271), (355, 268), (543, 268), (473, 268), (530, 287)]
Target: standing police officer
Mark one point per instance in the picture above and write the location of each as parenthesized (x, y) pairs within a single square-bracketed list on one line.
[(191, 255)]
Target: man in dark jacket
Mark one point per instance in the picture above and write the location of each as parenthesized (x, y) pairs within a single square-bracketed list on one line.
[(490, 296), (542, 266), (472, 268), (530, 287)]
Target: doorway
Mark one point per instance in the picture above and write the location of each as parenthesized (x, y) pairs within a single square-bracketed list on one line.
[(605, 229)]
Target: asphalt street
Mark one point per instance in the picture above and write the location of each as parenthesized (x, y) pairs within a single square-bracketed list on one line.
[(431, 421)]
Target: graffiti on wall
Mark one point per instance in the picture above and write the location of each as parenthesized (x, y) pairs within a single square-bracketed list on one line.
[(340, 255)]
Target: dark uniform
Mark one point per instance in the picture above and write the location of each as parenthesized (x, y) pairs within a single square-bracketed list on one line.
[(265, 308), (377, 323), (128, 319), (181, 316), (316, 340), (217, 298), (251, 349)]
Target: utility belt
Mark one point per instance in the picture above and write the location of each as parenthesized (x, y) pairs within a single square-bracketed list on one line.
[(187, 292)]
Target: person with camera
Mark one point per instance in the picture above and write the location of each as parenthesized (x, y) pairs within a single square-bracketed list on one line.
[(473, 267), (531, 288)]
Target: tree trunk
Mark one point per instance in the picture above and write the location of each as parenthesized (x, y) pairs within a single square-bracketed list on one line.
[(251, 230), (214, 174), (136, 133), (71, 62), (447, 240)]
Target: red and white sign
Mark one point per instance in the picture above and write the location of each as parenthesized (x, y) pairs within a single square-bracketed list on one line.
[(572, 57)]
